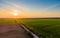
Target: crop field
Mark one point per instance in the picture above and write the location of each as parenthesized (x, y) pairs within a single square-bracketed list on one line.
[(49, 28), (7, 21)]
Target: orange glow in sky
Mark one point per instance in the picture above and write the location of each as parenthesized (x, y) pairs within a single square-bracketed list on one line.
[(15, 13), (29, 9)]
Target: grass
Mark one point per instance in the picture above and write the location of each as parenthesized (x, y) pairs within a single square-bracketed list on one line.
[(7, 21), (50, 28)]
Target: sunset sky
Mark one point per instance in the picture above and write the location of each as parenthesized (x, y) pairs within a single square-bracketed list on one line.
[(29, 8)]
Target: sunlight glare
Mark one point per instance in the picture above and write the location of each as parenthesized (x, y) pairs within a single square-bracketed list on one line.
[(15, 13)]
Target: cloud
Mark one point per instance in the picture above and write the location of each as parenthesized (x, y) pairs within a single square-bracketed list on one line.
[(17, 6), (52, 6), (47, 10)]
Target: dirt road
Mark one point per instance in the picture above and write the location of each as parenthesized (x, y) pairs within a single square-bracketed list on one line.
[(12, 31)]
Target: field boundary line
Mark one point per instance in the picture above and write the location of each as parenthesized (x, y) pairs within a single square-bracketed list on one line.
[(30, 32)]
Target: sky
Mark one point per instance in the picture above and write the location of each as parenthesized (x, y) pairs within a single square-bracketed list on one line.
[(29, 8)]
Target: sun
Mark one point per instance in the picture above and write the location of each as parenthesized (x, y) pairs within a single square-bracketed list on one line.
[(15, 13)]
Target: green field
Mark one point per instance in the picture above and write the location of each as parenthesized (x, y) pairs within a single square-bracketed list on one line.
[(50, 28), (7, 21)]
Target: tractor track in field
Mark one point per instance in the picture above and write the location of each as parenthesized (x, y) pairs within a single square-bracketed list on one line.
[(12, 31)]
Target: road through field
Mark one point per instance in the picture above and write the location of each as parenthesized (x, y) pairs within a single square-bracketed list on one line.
[(12, 31)]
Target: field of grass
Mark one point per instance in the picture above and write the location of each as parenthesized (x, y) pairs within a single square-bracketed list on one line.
[(50, 28), (7, 21)]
